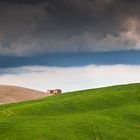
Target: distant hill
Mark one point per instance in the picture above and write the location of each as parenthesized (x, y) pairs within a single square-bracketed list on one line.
[(111, 113), (11, 94)]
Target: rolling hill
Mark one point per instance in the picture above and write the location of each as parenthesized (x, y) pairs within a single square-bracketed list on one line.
[(111, 113), (10, 94)]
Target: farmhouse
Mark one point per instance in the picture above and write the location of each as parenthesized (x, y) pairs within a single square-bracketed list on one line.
[(54, 91)]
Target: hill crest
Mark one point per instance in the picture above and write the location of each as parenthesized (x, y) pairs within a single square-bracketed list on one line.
[(13, 94)]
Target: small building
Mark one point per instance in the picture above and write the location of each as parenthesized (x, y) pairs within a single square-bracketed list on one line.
[(54, 91)]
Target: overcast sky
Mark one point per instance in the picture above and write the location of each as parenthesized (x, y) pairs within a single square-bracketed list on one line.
[(30, 27), (69, 34)]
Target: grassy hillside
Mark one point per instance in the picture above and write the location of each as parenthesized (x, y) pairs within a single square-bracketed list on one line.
[(111, 113)]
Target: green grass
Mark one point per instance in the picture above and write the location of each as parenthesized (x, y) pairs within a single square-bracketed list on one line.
[(111, 113)]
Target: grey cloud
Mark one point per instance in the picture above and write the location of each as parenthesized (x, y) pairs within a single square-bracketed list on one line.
[(51, 26)]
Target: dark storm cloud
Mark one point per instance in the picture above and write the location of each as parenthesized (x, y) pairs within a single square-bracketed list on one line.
[(70, 60), (22, 1), (28, 27)]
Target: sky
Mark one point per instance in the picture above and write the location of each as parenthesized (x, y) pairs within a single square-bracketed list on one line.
[(71, 45)]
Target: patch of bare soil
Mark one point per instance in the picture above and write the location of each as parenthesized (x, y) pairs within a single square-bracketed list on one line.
[(13, 94)]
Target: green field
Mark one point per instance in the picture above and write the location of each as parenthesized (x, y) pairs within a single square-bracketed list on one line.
[(111, 113)]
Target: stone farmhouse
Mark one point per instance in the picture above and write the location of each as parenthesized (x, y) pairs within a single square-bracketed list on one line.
[(54, 91)]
